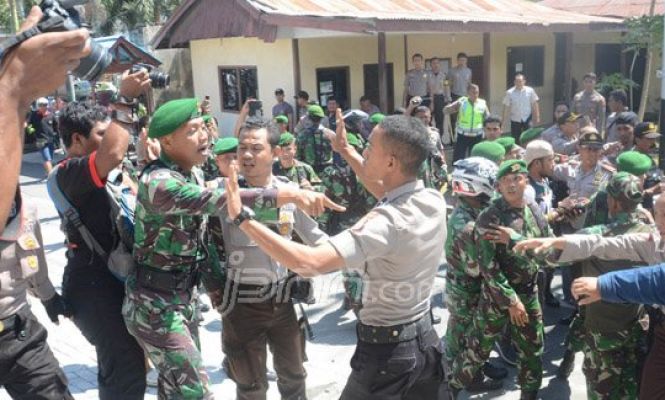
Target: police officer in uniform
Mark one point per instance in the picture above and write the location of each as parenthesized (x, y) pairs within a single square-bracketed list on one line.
[(399, 354), (590, 104), (439, 90), (416, 82), (28, 369)]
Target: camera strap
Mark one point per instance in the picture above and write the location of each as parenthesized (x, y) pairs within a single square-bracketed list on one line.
[(15, 40)]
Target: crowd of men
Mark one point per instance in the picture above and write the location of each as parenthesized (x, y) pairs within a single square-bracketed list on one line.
[(249, 216)]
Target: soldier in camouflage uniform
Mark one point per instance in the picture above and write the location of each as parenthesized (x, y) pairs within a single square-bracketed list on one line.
[(209, 167), (171, 211), (313, 147), (473, 183), (296, 171), (341, 184), (590, 103), (509, 293)]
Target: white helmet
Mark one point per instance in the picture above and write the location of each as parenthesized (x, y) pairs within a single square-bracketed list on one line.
[(474, 176)]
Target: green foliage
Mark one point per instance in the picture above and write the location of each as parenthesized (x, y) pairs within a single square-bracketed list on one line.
[(615, 81), (643, 32), (5, 13), (130, 14)]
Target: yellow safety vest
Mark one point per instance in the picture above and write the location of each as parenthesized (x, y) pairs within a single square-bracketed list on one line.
[(471, 117)]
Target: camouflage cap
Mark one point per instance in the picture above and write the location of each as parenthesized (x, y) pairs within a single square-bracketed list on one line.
[(315, 111), (376, 118), (511, 167), (529, 135), (625, 188), (589, 137), (286, 139), (647, 130), (508, 142), (225, 145), (171, 115), (492, 151), (634, 163), (282, 119)]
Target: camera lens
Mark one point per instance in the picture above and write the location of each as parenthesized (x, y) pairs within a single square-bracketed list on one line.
[(92, 66), (159, 79)]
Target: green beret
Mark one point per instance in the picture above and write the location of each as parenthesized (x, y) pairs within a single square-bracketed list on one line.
[(625, 187), (282, 119), (634, 163), (315, 111), (171, 115), (492, 151), (530, 134), (225, 145), (286, 139), (508, 142), (376, 118), (511, 167), (353, 140), (207, 118)]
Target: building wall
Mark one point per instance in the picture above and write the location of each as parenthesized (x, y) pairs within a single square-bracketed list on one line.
[(274, 63)]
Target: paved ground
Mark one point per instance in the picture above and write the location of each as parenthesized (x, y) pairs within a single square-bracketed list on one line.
[(329, 353)]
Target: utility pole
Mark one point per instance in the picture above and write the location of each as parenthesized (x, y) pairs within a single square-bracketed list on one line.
[(13, 9), (661, 160)]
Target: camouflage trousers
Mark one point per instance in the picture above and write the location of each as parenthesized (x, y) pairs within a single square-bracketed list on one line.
[(169, 336), (610, 364), (488, 324), (462, 296), (576, 337)]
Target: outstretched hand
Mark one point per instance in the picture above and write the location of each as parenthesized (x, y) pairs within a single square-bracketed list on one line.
[(233, 201)]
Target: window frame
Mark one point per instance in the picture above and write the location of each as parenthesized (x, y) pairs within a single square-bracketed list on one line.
[(242, 96), (529, 76)]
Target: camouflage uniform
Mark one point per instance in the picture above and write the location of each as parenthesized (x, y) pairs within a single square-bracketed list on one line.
[(300, 173), (171, 212), (210, 168), (608, 338), (314, 148), (463, 280), (434, 172), (592, 106), (507, 277)]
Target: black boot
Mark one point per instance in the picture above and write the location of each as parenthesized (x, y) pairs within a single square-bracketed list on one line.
[(482, 384), (493, 372), (567, 365), (529, 395)]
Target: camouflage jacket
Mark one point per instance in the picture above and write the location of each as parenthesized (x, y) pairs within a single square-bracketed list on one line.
[(597, 212), (300, 173), (434, 172), (461, 248), (506, 273), (314, 148), (607, 317), (210, 169), (171, 217), (342, 186)]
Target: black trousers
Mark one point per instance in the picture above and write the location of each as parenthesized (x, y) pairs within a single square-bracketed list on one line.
[(28, 369), (652, 386), (439, 103), (97, 306), (463, 146), (406, 370), (516, 129)]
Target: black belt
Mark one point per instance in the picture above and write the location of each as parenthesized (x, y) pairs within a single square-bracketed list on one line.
[(8, 324), (395, 333), (166, 281), (267, 292)]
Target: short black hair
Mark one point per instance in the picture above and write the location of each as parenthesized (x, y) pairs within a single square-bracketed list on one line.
[(331, 98), (461, 55), (256, 123), (417, 55), (590, 75), (492, 119), (620, 96), (409, 140), (420, 109), (79, 117), (364, 98)]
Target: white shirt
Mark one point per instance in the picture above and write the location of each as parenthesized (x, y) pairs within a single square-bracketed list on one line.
[(520, 102)]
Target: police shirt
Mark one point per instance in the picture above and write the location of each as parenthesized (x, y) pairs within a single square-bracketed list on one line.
[(415, 82), (397, 249)]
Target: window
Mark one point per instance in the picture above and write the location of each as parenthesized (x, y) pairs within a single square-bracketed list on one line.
[(236, 85), (528, 60)]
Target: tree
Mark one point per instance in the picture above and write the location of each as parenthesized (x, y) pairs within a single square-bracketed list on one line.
[(644, 33), (130, 14)]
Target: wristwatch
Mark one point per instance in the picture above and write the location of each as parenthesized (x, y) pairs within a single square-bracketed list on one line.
[(246, 213)]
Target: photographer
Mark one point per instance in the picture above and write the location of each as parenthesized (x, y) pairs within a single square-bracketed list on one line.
[(34, 68), (94, 148)]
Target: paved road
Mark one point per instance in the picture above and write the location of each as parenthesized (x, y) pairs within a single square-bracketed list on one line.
[(329, 353)]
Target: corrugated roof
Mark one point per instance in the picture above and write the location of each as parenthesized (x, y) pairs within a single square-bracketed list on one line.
[(607, 8), (203, 19)]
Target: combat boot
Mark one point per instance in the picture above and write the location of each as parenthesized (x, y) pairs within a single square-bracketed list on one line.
[(482, 384), (567, 365), (529, 395), (493, 372)]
